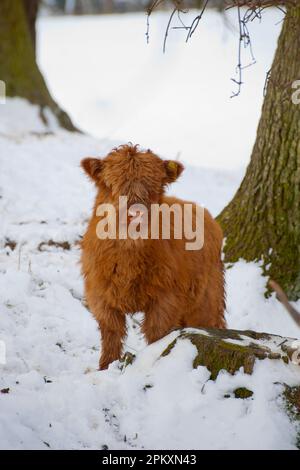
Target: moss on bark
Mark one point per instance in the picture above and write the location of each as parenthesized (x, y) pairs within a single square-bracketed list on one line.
[(262, 220), (221, 349), (242, 393), (232, 349), (292, 400)]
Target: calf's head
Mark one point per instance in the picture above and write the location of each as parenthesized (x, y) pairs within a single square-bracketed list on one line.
[(140, 176)]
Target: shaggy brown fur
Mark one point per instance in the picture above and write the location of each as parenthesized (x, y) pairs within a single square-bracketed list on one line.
[(174, 287)]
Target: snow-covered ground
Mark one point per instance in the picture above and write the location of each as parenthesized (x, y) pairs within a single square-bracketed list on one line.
[(57, 399)]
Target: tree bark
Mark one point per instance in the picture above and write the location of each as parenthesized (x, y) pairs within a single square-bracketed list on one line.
[(262, 222), (18, 68), (31, 10), (222, 349)]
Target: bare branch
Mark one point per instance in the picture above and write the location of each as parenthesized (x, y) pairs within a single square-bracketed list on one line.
[(281, 296), (196, 21), (167, 29), (254, 10)]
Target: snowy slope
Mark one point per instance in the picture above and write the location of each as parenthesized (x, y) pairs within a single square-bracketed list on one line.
[(56, 398)]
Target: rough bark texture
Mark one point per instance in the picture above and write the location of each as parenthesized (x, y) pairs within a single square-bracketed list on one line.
[(221, 349), (262, 220), (18, 68), (292, 400), (232, 349)]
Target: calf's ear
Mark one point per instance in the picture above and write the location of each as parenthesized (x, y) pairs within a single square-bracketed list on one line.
[(173, 170), (92, 166)]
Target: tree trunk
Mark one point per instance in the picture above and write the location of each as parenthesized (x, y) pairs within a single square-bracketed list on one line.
[(262, 222), (18, 68), (31, 10)]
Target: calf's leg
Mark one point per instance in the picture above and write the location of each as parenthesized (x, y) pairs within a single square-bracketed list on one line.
[(160, 319), (113, 329)]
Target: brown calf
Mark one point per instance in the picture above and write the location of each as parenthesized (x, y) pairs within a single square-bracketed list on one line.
[(173, 286)]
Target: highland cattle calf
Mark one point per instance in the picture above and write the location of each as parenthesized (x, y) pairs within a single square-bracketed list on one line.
[(126, 269)]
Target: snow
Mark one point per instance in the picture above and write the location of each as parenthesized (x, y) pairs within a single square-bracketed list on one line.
[(119, 89), (248, 307), (117, 86), (57, 399)]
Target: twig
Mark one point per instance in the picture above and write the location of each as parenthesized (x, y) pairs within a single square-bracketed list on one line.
[(254, 10), (268, 74), (196, 22), (167, 29), (239, 65), (150, 10), (281, 296)]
